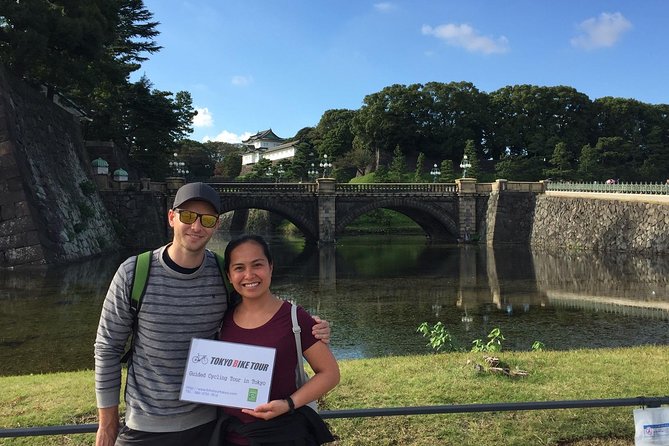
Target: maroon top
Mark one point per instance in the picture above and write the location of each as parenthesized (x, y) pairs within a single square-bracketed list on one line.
[(276, 333)]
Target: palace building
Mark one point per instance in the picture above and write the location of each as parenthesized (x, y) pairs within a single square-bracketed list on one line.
[(267, 144)]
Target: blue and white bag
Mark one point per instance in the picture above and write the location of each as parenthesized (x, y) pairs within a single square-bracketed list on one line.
[(651, 426)]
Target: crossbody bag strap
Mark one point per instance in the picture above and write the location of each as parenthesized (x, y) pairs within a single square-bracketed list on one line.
[(296, 331), (298, 341)]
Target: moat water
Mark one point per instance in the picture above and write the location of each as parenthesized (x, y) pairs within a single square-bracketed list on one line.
[(376, 290)]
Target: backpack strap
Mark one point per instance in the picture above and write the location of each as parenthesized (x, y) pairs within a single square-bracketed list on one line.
[(140, 281)]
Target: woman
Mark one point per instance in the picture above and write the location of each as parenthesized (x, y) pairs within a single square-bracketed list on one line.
[(261, 318)]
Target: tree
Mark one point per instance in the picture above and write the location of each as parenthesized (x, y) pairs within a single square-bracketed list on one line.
[(455, 112), (589, 164), (520, 168), (260, 170), (381, 174), (230, 167), (305, 154), (418, 176), (75, 47), (529, 120), (394, 116), (158, 121), (334, 132), (561, 162), (397, 166), (447, 172), (473, 171), (360, 159), (87, 50)]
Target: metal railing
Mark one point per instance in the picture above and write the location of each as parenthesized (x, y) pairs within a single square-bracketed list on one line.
[(264, 188), (394, 188), (618, 188), (392, 411)]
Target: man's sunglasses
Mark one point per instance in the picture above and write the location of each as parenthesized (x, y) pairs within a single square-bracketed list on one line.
[(189, 217)]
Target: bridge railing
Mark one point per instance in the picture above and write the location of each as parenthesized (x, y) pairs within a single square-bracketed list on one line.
[(618, 188), (394, 188), (259, 188)]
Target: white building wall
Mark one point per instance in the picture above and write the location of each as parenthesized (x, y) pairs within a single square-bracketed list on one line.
[(280, 154)]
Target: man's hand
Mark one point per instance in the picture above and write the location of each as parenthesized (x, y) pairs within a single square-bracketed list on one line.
[(321, 330), (107, 427)]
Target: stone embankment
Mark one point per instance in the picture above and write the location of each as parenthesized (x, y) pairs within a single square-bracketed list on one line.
[(609, 222), (50, 211)]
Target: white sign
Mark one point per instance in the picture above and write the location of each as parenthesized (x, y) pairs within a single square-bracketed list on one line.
[(228, 374)]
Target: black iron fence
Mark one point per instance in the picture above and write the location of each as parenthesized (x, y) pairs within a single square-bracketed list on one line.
[(393, 411)]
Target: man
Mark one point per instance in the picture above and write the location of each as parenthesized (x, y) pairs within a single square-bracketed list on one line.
[(184, 298)]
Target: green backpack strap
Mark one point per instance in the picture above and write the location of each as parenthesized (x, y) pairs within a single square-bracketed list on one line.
[(140, 280), (139, 283)]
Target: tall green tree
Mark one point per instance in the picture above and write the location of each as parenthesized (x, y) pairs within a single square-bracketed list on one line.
[(260, 171), (561, 163), (306, 155), (159, 120), (455, 112), (418, 176), (397, 166), (87, 50), (360, 159), (394, 116), (470, 150), (334, 132), (589, 164), (447, 172), (530, 120)]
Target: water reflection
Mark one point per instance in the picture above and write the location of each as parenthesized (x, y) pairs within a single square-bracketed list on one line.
[(376, 291)]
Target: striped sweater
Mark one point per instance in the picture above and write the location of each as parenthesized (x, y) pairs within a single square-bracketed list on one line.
[(176, 308)]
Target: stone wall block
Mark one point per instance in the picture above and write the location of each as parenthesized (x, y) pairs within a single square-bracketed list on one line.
[(32, 255)]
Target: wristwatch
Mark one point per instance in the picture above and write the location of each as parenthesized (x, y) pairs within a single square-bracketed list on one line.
[(291, 405)]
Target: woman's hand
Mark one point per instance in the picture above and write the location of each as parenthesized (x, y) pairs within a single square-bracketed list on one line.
[(321, 330), (269, 410)]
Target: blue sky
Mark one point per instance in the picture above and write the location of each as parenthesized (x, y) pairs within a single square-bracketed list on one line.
[(255, 64)]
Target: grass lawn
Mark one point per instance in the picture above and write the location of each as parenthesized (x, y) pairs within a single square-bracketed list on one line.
[(439, 379)]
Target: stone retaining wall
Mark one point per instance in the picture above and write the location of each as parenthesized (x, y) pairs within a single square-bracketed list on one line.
[(600, 225), (139, 217), (50, 211)]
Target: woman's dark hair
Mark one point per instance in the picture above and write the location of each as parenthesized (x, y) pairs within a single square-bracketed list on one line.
[(243, 239)]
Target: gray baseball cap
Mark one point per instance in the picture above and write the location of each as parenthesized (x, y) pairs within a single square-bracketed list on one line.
[(197, 191)]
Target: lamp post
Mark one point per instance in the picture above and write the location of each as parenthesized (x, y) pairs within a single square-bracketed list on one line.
[(435, 172), (280, 171), (179, 167), (269, 173), (325, 164), (312, 172), (464, 165)]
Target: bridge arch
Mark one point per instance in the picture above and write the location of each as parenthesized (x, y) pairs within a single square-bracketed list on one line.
[(437, 221), (297, 213)]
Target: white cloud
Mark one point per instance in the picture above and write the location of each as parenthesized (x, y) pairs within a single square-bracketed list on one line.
[(464, 36), (203, 118), (601, 32), (384, 6), (229, 137), (241, 81)]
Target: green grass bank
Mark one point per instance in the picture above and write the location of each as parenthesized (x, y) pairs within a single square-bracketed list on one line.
[(434, 379)]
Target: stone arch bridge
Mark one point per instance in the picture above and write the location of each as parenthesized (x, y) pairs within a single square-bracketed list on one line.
[(322, 210)]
